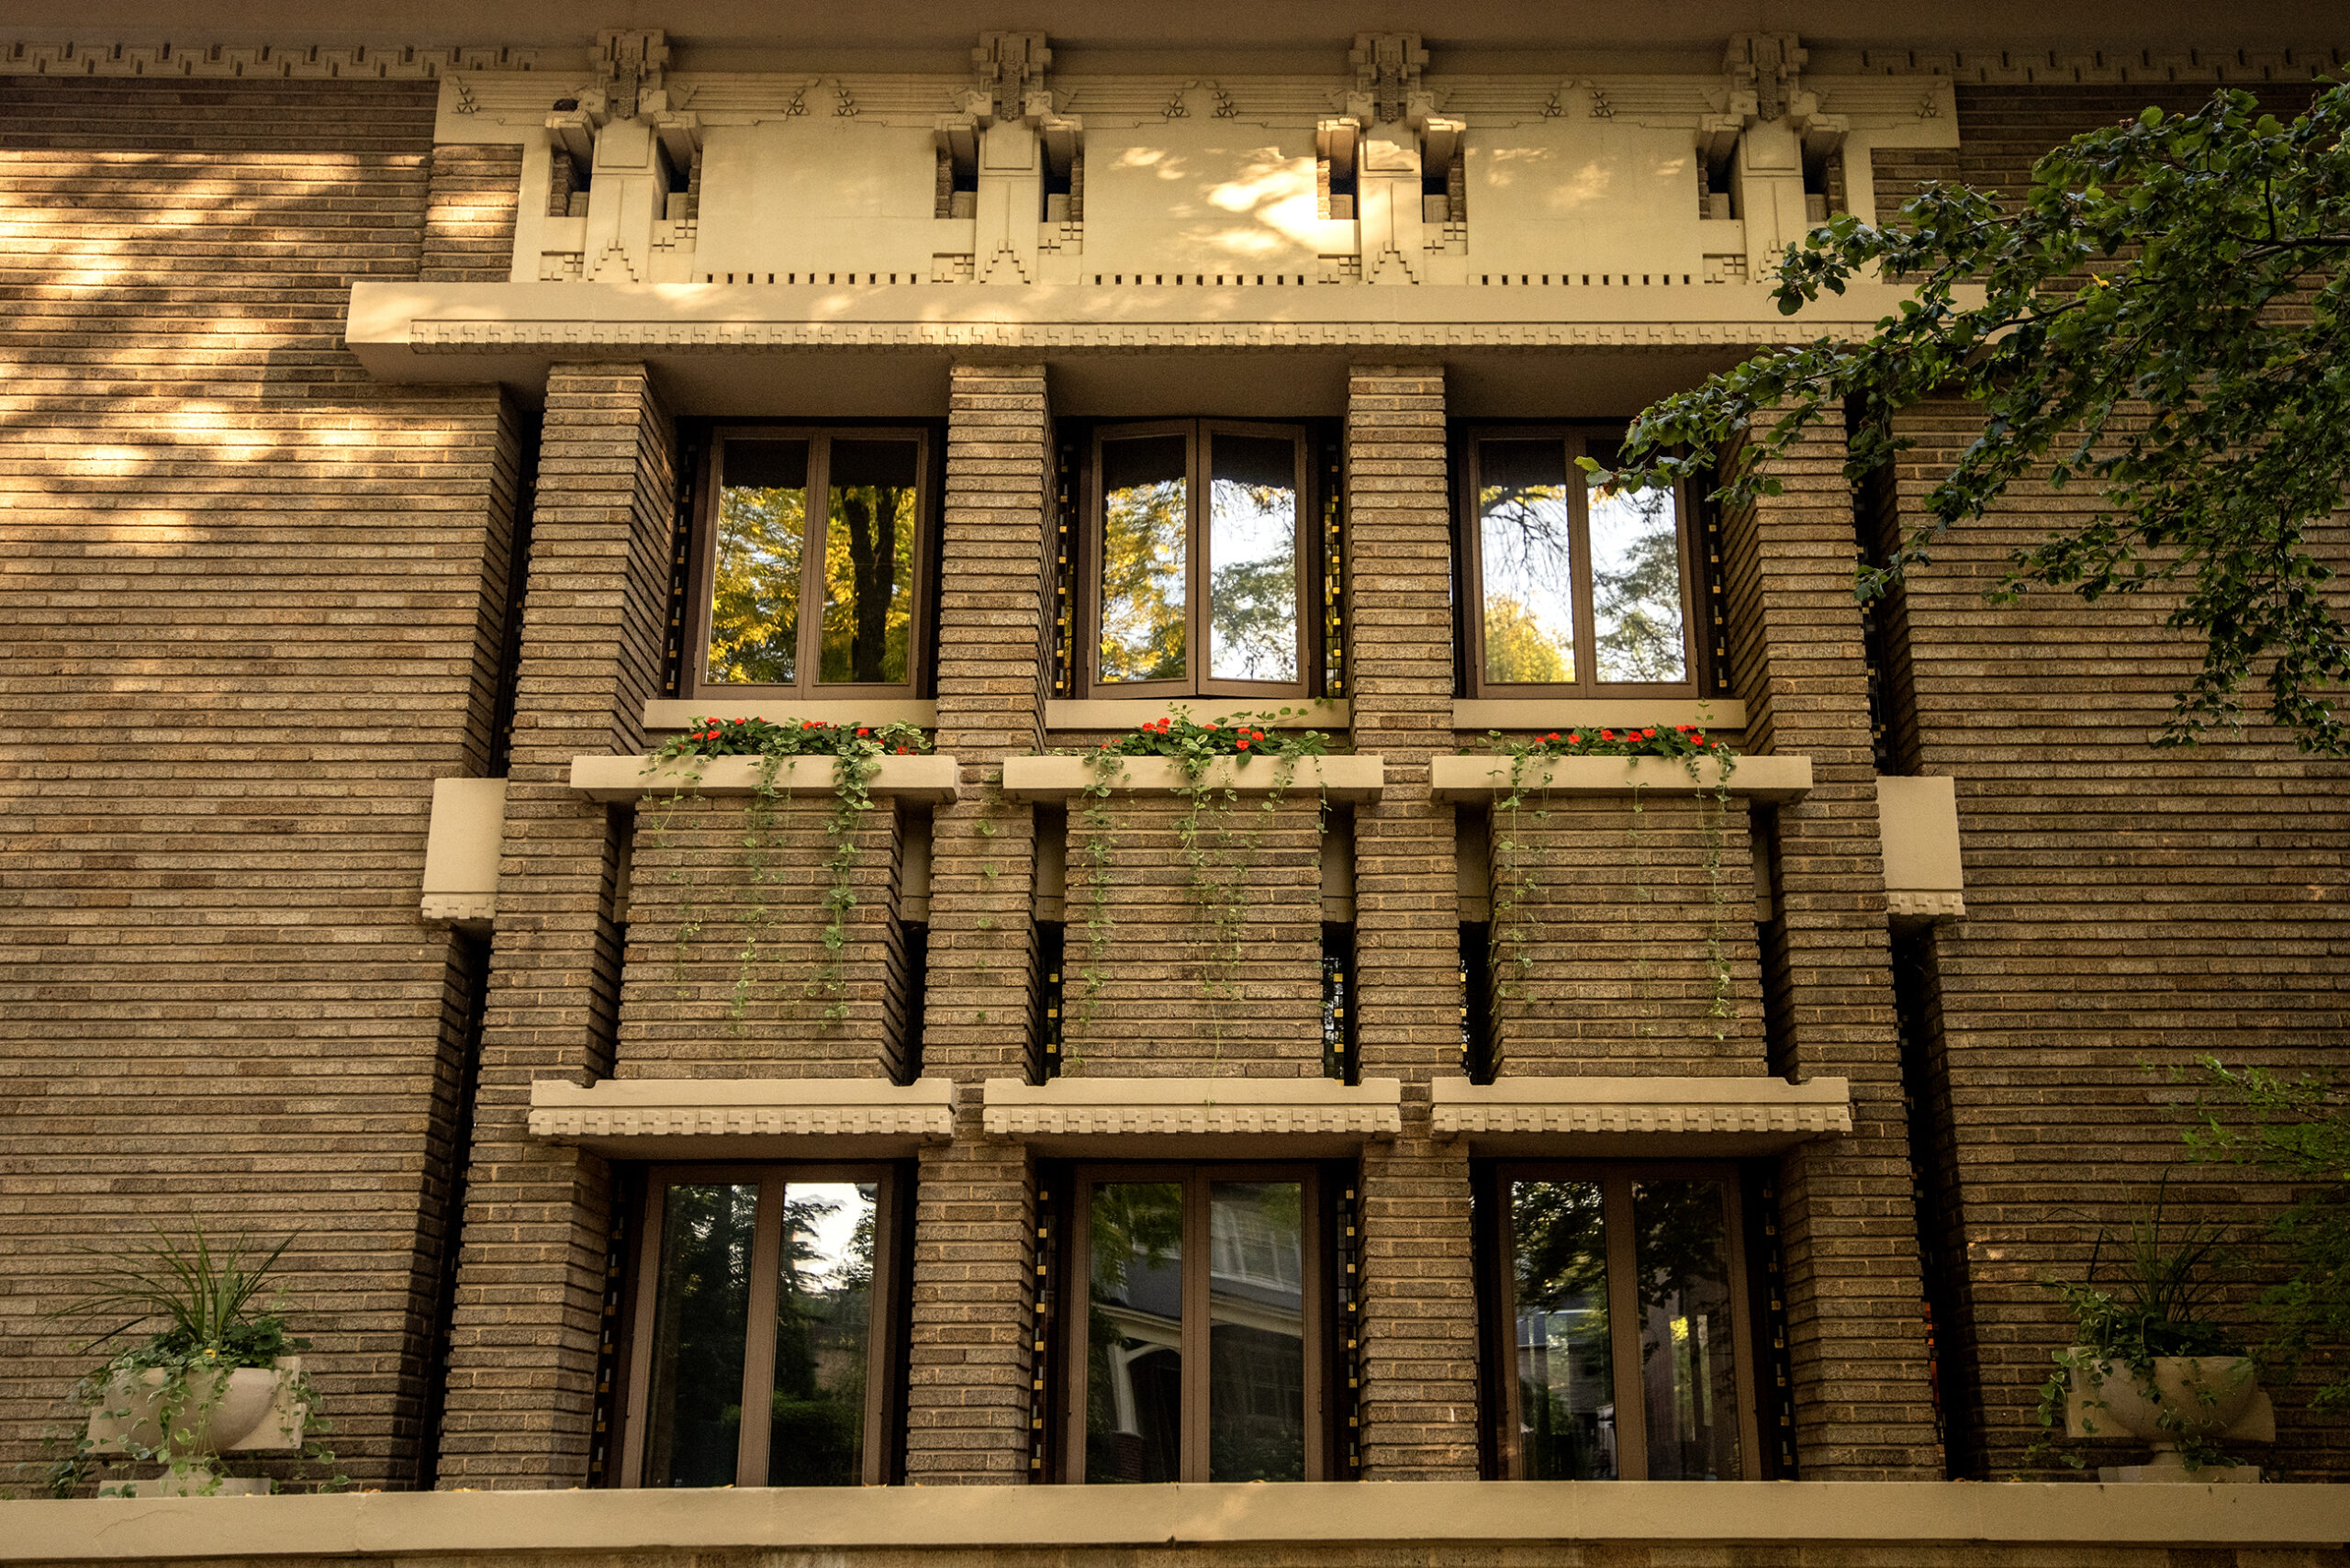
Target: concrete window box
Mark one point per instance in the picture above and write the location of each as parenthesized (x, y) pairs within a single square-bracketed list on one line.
[(1064, 778), (1478, 776), (1649, 1116), (1194, 1117), (744, 1118), (931, 779)]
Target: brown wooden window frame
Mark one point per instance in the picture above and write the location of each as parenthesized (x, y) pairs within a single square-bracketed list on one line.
[(1196, 1177), (1578, 440), (694, 680), (884, 1400), (1201, 435), (1614, 1180)]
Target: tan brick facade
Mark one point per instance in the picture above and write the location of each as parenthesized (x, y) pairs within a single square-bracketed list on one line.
[(258, 603)]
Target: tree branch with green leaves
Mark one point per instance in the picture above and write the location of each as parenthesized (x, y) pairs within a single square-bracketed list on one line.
[(2162, 318)]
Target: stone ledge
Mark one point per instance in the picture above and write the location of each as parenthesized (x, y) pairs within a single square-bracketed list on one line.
[(743, 1117), (879, 1524), (1062, 778), (1475, 777), (1659, 1114), (1132, 713), (1157, 1118), (670, 713), (933, 778)]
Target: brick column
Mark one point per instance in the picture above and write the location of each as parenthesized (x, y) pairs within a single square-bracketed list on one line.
[(1419, 1328), (966, 1409), (522, 1357), (1863, 1409)]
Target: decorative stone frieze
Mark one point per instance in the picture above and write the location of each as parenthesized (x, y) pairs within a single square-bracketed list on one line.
[(736, 1117), (1742, 1116), (1103, 1115)]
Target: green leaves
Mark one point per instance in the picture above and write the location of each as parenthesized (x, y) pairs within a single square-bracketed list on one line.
[(2162, 317)]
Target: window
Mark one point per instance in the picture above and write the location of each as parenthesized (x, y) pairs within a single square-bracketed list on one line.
[(1199, 1354), (1573, 591), (767, 1292), (1621, 1326), (809, 599), (1199, 561)]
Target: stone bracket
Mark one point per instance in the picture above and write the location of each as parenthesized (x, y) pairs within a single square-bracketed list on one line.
[(1918, 828), (461, 849)]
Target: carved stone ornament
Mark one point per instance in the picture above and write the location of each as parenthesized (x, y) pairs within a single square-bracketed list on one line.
[(1387, 70), (631, 64), (1770, 66)]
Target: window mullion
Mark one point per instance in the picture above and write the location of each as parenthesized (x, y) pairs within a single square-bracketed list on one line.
[(1196, 1266), (640, 1355), (758, 1353), (1624, 1329), (816, 518), (1199, 525), (1579, 544)]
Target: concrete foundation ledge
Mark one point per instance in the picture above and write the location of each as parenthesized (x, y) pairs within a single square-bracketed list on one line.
[(1474, 777), (2050, 1524)]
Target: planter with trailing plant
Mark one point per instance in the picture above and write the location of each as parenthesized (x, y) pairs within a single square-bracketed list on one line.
[(2151, 1362), (220, 1374)]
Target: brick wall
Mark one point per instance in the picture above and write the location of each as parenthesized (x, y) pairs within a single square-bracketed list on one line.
[(469, 213), (1419, 1330), (245, 588), (1189, 984), (1606, 965), (727, 971), (524, 1348)]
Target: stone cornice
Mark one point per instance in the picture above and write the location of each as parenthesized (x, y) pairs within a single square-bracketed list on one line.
[(701, 1116), (1132, 1114), (283, 60), (1622, 1112)]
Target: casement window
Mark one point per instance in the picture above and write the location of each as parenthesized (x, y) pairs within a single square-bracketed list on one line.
[(1198, 570), (1570, 591), (1619, 1327), (812, 564), (764, 1326), (1199, 1351)]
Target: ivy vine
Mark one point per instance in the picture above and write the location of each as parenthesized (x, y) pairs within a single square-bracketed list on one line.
[(856, 752)]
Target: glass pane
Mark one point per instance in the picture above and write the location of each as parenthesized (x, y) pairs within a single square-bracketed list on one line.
[(1689, 1389), (1566, 1372), (1256, 1331), (1252, 558), (1526, 554), (1134, 1334), (1635, 584), (869, 560), (1145, 524), (754, 589), (824, 1317), (701, 1322)]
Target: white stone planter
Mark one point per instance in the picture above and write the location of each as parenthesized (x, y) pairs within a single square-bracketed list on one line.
[(1482, 776), (1353, 777), (931, 778), (249, 1407), (2204, 1397)]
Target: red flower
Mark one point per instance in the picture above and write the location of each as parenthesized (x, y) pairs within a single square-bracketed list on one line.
[(1211, 726), (863, 732), (1572, 740), (1607, 734), (1243, 745)]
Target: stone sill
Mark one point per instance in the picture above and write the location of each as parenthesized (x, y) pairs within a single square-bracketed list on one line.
[(1162, 1117), (667, 713), (478, 1527), (1133, 712), (741, 1118), (1545, 714), (931, 778), (1593, 1116), (1063, 777), (1468, 777)]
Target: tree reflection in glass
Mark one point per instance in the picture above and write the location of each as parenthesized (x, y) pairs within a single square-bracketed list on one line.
[(1252, 557), (1134, 1340), (1636, 583), (868, 561), (1256, 1331), (1566, 1378), (755, 585), (1146, 523), (1689, 1387), (824, 1317), (1526, 558), (702, 1311)]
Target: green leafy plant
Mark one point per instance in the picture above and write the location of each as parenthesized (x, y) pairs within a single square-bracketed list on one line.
[(856, 752), (2159, 1302), (2161, 317), (2300, 1128), (213, 1310), (1219, 847), (1518, 864)]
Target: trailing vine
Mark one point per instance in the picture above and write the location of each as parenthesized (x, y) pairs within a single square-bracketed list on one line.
[(1219, 850), (1516, 865), (856, 752)]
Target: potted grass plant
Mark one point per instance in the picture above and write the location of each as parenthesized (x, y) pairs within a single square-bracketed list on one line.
[(218, 1369), (2150, 1359)]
